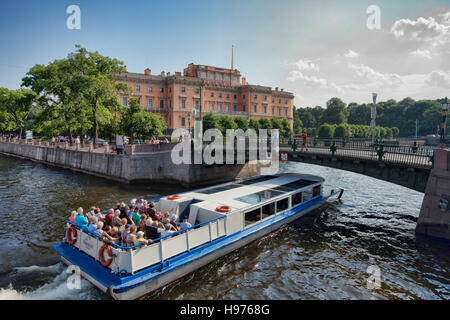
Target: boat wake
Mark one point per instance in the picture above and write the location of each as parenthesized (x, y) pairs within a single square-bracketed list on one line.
[(55, 289)]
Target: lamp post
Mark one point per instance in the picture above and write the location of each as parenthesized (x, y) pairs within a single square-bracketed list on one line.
[(373, 115), (189, 122), (444, 106)]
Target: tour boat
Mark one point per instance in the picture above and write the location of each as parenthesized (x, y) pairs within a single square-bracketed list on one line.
[(224, 218)]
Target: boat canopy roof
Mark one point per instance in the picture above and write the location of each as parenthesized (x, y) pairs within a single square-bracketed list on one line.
[(241, 194)]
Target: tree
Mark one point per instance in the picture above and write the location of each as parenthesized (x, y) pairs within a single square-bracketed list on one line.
[(335, 113), (241, 123), (325, 131), (137, 122), (210, 121), (254, 124), (226, 122), (18, 105), (342, 131)]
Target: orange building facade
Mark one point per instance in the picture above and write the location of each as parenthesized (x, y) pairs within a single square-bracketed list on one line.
[(218, 90)]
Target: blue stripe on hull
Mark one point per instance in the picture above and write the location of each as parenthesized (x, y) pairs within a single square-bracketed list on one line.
[(124, 283)]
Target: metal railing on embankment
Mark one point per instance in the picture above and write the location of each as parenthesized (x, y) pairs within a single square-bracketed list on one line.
[(414, 156)]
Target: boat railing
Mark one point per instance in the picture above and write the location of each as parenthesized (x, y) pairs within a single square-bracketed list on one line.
[(132, 259)]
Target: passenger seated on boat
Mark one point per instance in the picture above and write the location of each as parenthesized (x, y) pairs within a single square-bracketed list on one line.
[(116, 221), (131, 236), (73, 216), (151, 212), (99, 215), (167, 230), (135, 216), (140, 239), (142, 223), (93, 225), (109, 217), (153, 231), (173, 221), (165, 219), (125, 233), (124, 213), (80, 219), (113, 234), (185, 224)]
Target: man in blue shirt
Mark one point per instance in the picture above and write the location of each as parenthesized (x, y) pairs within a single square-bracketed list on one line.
[(81, 221), (185, 224)]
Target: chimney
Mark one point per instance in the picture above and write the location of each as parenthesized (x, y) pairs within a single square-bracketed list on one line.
[(276, 89), (147, 71), (162, 74), (243, 81), (168, 74)]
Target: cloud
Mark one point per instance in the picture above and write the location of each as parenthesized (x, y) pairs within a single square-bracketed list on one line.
[(426, 54), (365, 72), (311, 81), (351, 54), (422, 29), (306, 64), (438, 78)]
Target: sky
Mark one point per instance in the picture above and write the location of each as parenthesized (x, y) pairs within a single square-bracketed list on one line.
[(315, 49)]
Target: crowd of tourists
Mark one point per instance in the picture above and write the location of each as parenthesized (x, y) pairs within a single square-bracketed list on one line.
[(129, 225)]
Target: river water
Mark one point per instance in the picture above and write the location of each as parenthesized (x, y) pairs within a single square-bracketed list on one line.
[(327, 255)]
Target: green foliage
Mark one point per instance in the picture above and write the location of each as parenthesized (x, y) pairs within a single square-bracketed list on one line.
[(325, 131), (335, 113)]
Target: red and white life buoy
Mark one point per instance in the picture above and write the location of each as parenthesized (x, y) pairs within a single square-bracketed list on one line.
[(101, 257), (72, 235), (223, 209), (173, 197)]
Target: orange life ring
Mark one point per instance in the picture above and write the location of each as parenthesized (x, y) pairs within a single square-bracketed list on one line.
[(102, 258), (173, 197), (72, 235), (223, 209)]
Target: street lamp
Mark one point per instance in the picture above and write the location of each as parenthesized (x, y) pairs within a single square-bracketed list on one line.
[(444, 106), (373, 115)]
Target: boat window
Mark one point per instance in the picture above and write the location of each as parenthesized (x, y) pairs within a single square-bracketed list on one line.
[(307, 195), (268, 210), (316, 191), (283, 204), (298, 184), (256, 180), (219, 188), (252, 216), (261, 196), (296, 198)]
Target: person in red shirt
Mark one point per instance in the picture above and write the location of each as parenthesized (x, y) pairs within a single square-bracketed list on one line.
[(109, 217), (305, 138)]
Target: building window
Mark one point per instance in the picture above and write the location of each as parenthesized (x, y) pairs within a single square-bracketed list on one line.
[(285, 112), (211, 94), (125, 101), (279, 100), (235, 107), (219, 106), (243, 96), (255, 96), (279, 111), (183, 103), (211, 106), (161, 104), (285, 101), (255, 108), (220, 94), (235, 97), (150, 89), (273, 100), (150, 103), (227, 107), (183, 121), (161, 89), (273, 110), (139, 100), (228, 96), (183, 89), (197, 104), (265, 97), (138, 87), (265, 108)]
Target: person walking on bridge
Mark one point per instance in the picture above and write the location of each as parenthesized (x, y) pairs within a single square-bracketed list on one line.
[(305, 141)]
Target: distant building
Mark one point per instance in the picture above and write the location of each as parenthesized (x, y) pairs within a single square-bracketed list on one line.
[(173, 96)]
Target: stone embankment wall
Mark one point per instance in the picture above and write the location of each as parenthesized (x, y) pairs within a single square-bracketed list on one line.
[(137, 167)]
